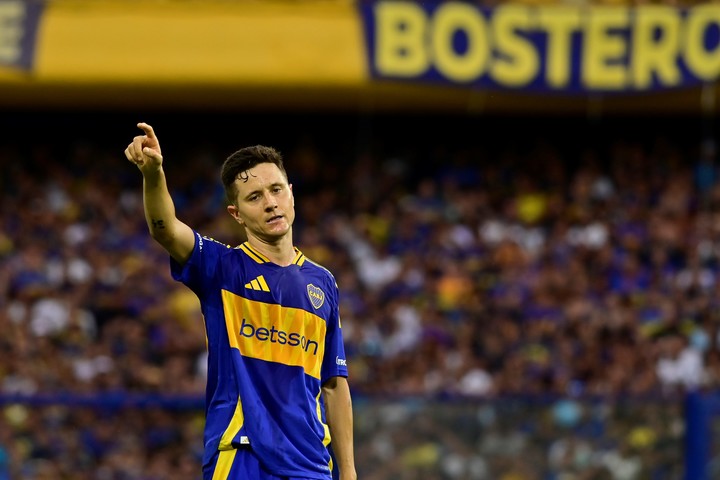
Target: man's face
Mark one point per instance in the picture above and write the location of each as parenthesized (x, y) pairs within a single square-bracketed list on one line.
[(264, 204)]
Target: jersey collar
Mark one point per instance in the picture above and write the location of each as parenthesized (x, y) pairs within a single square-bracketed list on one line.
[(260, 258)]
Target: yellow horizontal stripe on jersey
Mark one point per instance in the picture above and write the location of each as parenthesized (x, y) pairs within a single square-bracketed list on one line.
[(270, 332)]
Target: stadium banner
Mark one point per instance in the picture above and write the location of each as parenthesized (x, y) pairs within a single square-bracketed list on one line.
[(19, 21), (543, 48), (193, 42)]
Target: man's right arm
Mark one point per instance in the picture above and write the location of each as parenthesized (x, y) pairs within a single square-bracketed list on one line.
[(175, 237)]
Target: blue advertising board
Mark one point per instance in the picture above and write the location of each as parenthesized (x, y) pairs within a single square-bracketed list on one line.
[(543, 48)]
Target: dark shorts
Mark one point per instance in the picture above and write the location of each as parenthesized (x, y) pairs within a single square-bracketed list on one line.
[(240, 464)]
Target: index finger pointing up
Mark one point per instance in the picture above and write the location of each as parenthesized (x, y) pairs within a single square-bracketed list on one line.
[(147, 129)]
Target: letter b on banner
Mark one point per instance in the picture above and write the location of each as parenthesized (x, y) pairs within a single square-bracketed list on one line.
[(408, 42), (401, 29)]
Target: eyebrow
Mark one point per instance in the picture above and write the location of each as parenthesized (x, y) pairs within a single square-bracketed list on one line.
[(258, 190)]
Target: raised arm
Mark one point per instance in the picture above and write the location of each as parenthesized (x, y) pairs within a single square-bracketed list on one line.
[(338, 410), (175, 237)]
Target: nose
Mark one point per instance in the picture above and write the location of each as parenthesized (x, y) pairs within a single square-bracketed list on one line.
[(270, 203)]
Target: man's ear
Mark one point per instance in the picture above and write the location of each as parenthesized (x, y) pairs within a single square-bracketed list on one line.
[(233, 211)]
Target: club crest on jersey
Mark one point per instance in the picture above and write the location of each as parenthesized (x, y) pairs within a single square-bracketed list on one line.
[(317, 296)]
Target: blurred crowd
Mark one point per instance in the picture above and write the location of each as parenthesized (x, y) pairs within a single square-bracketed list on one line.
[(521, 439), (481, 269)]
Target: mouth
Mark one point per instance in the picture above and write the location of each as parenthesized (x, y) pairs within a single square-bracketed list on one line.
[(274, 219)]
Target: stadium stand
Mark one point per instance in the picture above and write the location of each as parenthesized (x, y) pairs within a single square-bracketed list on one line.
[(489, 269)]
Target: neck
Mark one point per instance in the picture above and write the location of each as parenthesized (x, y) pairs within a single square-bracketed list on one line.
[(280, 251)]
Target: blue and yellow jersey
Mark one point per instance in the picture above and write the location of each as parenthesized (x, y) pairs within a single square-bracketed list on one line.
[(273, 338)]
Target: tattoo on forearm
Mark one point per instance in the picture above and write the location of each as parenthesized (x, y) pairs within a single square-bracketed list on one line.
[(158, 224)]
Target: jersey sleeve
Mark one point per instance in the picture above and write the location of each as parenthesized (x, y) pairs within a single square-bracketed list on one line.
[(201, 268), (335, 363)]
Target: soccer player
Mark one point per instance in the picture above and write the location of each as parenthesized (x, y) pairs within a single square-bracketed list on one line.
[(277, 390)]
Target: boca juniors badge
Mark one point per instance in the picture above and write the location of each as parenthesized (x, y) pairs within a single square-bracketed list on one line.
[(317, 296)]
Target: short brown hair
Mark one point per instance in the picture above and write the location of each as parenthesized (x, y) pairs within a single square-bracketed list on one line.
[(242, 161)]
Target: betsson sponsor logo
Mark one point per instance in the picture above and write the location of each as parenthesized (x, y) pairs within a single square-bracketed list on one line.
[(273, 335)]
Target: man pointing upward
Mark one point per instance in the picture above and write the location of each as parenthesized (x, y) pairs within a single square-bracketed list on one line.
[(277, 392)]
